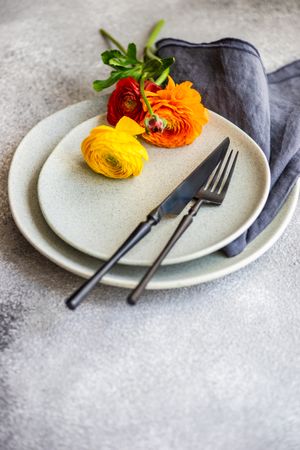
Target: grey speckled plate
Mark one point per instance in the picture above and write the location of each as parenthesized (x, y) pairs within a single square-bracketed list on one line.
[(26, 165), (95, 214)]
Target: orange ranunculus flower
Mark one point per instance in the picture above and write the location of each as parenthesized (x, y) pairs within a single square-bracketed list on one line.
[(181, 108), (115, 152)]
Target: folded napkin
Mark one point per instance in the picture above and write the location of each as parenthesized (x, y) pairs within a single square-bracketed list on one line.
[(230, 76)]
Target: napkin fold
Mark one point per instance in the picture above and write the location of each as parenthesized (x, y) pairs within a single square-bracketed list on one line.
[(231, 78)]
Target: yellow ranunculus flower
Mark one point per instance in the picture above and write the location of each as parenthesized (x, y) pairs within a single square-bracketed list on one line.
[(115, 152)]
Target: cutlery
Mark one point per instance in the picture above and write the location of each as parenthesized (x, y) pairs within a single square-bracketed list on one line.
[(172, 205), (213, 193)]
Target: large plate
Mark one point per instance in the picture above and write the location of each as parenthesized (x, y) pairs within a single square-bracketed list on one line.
[(95, 214), (26, 165)]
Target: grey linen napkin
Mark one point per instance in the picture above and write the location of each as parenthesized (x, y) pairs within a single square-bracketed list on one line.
[(230, 76)]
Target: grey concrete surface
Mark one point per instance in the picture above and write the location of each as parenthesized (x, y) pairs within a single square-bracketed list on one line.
[(212, 367)]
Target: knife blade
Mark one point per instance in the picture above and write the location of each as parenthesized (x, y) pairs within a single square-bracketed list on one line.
[(187, 189)]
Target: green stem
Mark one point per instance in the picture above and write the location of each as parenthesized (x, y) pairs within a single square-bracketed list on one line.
[(151, 40), (162, 76), (149, 53), (142, 90), (108, 36), (154, 33)]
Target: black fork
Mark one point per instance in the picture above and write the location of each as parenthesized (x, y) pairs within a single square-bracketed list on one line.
[(214, 193)]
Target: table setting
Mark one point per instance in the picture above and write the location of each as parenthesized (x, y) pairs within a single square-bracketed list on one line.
[(175, 178), (91, 226)]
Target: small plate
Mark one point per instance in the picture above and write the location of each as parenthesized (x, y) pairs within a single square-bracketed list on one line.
[(95, 214), (23, 176)]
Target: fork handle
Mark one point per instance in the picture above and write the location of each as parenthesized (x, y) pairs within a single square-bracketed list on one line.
[(185, 222), (81, 293)]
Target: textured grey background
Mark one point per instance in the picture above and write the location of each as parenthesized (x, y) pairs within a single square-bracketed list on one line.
[(216, 366)]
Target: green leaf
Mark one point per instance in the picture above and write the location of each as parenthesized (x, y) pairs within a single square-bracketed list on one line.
[(131, 53), (116, 75), (125, 63), (110, 54), (167, 62), (115, 62), (99, 85), (152, 68), (115, 58)]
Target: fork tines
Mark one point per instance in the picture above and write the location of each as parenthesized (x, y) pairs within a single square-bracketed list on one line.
[(220, 178)]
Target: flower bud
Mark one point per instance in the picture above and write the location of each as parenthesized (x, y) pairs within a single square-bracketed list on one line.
[(155, 124)]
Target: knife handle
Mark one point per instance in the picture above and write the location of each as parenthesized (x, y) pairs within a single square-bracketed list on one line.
[(80, 294), (185, 222)]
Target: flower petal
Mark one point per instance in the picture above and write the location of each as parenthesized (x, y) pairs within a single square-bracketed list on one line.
[(129, 126)]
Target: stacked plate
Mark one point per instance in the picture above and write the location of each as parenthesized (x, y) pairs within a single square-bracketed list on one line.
[(77, 218)]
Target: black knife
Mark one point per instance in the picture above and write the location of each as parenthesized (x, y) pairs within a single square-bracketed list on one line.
[(170, 206)]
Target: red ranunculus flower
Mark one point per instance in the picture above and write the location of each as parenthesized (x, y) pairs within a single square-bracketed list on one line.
[(126, 100)]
